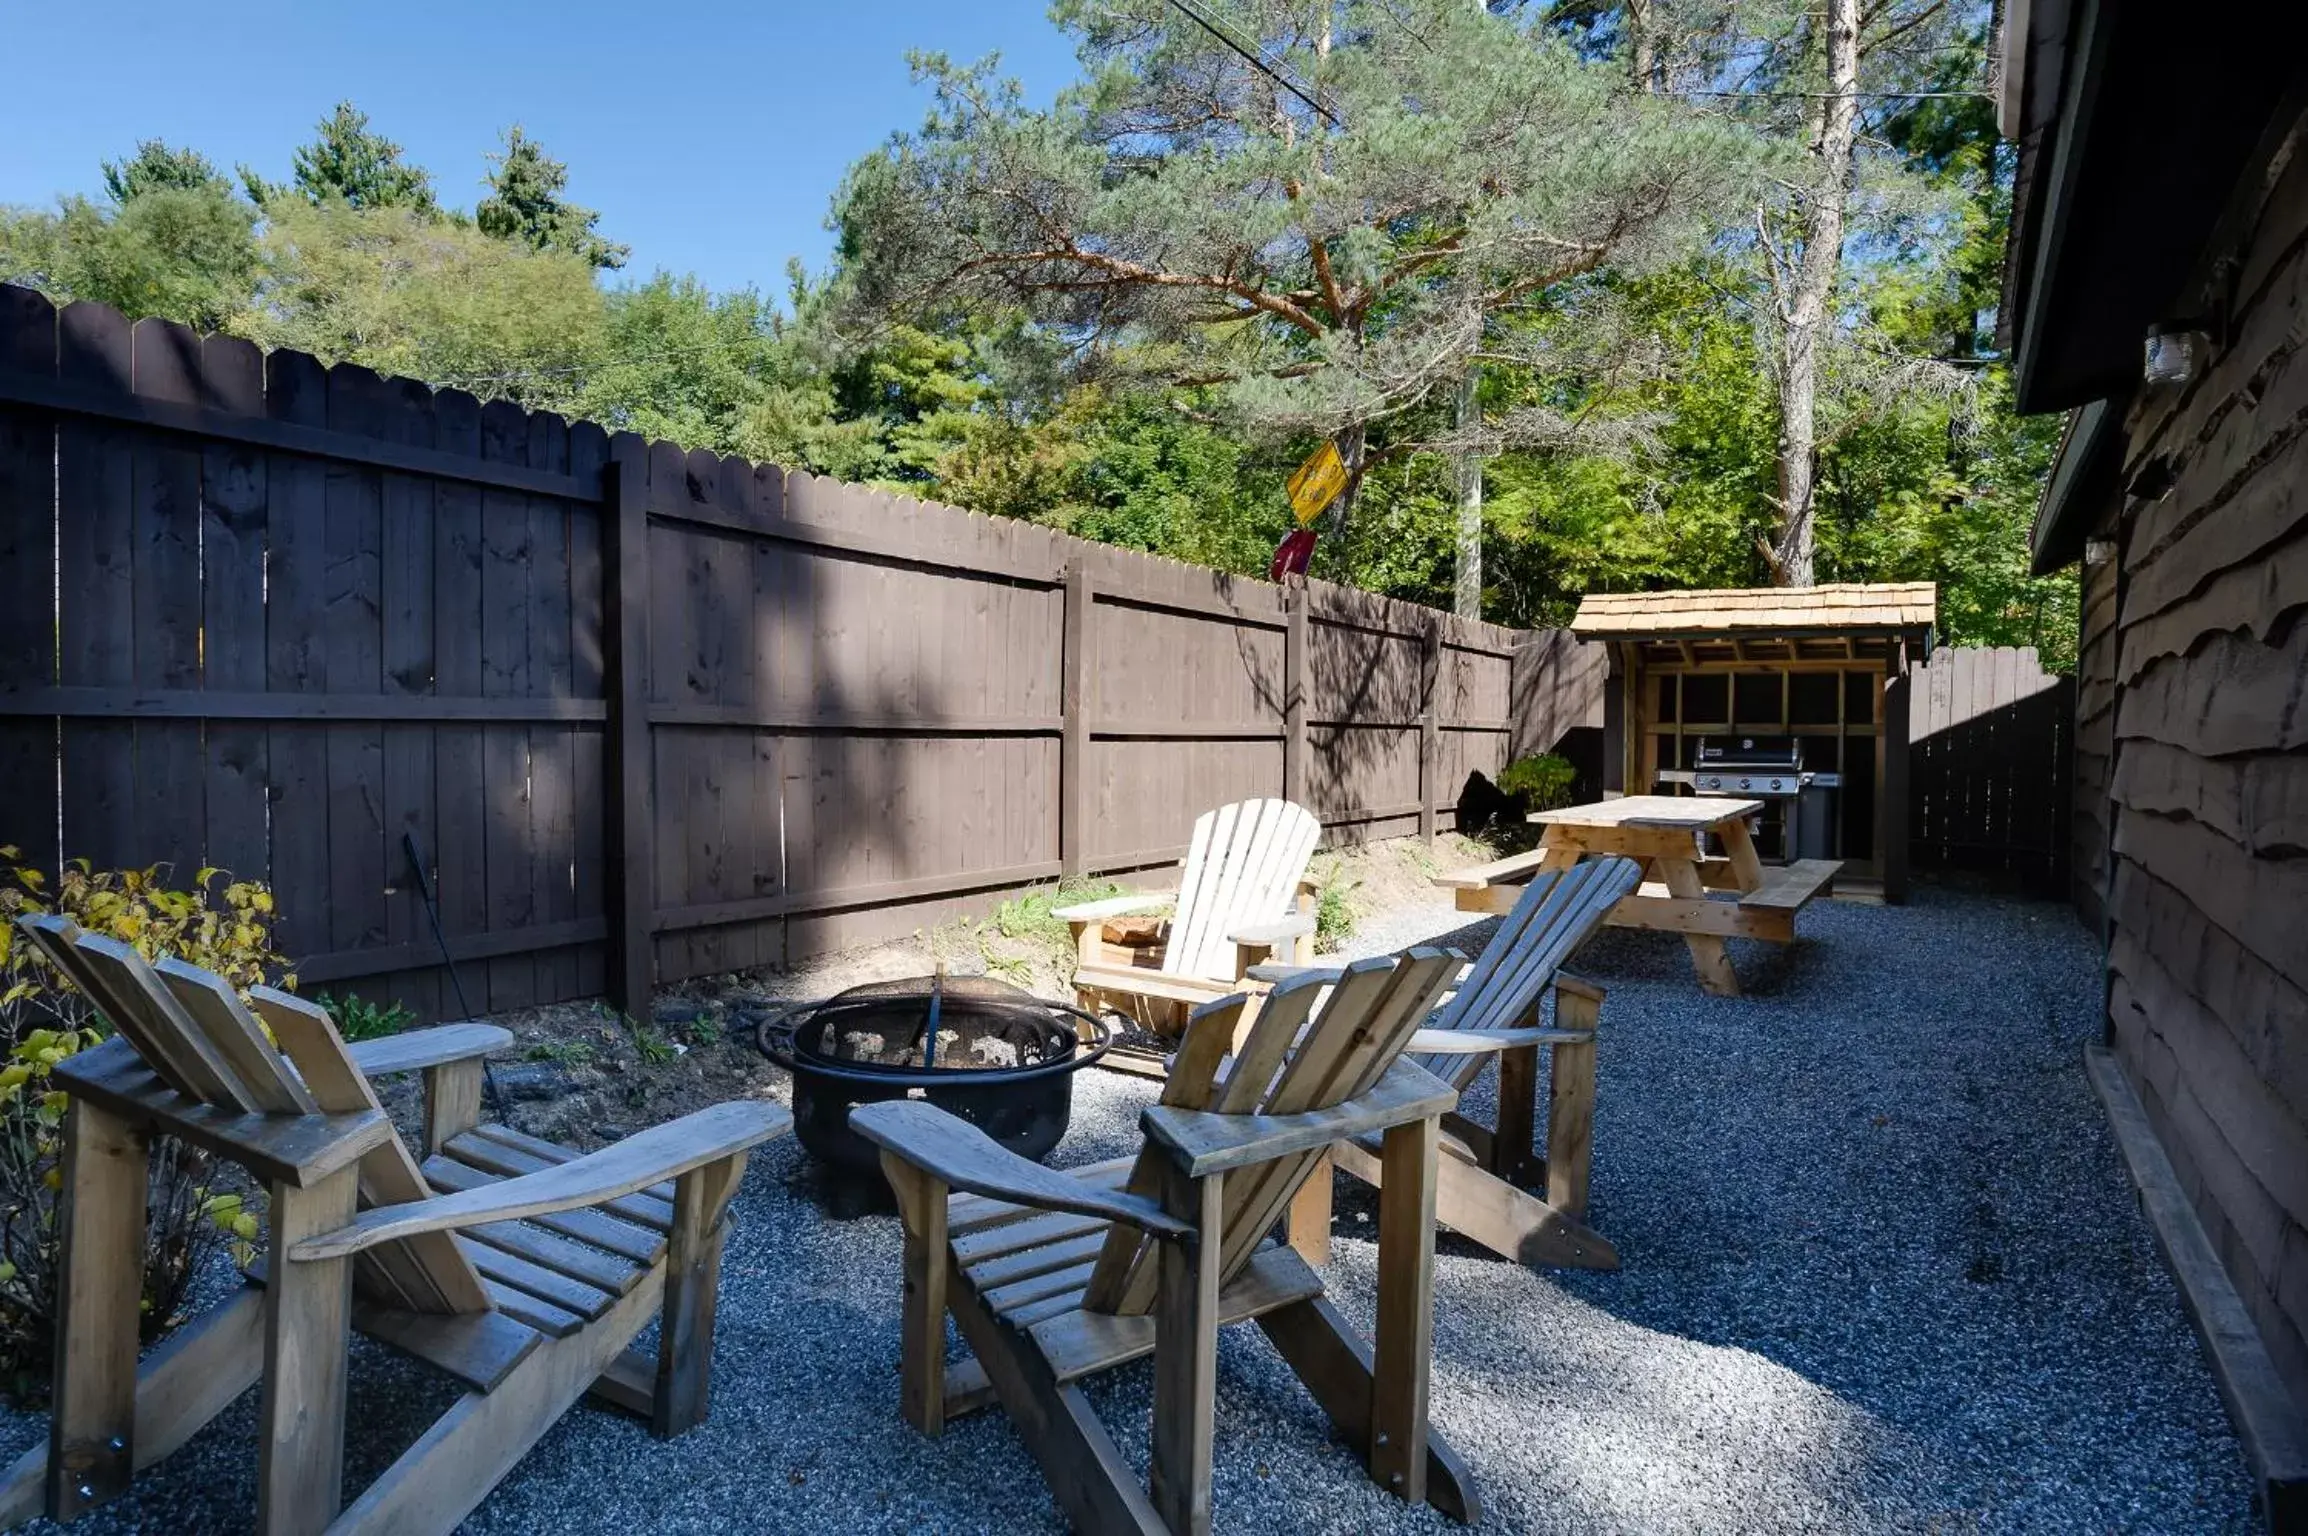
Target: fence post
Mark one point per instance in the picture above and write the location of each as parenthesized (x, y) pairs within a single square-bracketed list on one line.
[(1076, 698), (1429, 727), (625, 663), (1294, 634)]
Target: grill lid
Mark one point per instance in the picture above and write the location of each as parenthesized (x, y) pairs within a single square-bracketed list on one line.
[(1767, 754)]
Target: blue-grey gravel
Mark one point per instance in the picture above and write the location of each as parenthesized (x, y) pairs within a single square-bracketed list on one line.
[(1882, 1272)]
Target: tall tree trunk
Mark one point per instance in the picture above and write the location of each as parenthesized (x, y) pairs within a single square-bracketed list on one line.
[(1467, 589), (1804, 307), (1467, 582), (1643, 44)]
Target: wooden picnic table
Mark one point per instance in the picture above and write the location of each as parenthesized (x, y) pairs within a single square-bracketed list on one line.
[(1666, 835)]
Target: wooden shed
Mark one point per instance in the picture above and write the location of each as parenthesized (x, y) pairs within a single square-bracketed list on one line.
[(1703, 678)]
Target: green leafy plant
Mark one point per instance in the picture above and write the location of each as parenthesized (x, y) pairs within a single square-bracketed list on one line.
[(1333, 912), (655, 1049), (565, 1053), (359, 1019), (1542, 782), (703, 1030), (219, 924)]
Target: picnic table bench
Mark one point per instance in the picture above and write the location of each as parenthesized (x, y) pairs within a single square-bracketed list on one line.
[(1666, 834)]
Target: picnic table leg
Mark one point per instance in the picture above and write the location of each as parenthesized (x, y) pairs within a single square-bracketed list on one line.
[(1746, 865), (1709, 957)]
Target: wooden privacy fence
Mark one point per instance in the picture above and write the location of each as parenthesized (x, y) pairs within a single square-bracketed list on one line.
[(654, 713), (1989, 737)]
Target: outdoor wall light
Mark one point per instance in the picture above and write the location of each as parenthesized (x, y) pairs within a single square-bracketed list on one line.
[(2098, 552), (2175, 351)]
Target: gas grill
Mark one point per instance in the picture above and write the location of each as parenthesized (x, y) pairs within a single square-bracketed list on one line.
[(1755, 767), (1799, 820)]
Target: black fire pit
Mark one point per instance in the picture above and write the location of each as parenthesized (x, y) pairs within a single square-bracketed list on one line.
[(996, 1055)]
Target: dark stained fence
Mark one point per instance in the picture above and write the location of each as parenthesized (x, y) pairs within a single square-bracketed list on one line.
[(654, 713), (1990, 738)]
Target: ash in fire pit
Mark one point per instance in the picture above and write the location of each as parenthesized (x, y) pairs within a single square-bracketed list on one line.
[(996, 1055)]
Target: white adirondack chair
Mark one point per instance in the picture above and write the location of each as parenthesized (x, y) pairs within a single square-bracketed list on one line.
[(1242, 895), (1491, 1186)]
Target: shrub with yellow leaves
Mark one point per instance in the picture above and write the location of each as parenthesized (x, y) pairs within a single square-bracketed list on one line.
[(220, 924)]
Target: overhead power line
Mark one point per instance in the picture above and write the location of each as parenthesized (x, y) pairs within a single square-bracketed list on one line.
[(1254, 57)]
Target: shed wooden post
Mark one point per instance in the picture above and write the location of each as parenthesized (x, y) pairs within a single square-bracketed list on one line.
[(1891, 814), (627, 833), (1294, 635), (1075, 702), (1429, 728)]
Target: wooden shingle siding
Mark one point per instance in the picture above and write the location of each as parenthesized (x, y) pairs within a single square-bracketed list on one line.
[(272, 615), (2191, 773)]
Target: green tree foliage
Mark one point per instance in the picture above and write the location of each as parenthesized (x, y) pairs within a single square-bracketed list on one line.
[(525, 203), (155, 167), (350, 163), (399, 292), (1326, 258), (171, 240), (1628, 409)]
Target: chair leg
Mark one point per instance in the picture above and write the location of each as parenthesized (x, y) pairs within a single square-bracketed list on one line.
[(1186, 1353), (308, 1328), (1406, 1206), (188, 1381), (91, 1455), (1511, 1153), (922, 1212), (692, 1285), (1571, 1106), (1327, 1355)]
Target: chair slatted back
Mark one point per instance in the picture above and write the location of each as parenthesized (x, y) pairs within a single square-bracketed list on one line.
[(1243, 865), (1287, 1064), (1557, 912), (192, 1029)]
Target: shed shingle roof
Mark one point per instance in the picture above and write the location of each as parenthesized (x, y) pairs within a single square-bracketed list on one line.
[(1845, 605)]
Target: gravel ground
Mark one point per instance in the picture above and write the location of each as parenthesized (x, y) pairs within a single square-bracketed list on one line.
[(1882, 1272)]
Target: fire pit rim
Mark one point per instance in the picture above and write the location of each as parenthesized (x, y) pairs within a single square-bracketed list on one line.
[(776, 1037)]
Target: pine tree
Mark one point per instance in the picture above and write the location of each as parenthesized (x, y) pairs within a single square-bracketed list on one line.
[(1324, 211), (525, 204), (348, 164)]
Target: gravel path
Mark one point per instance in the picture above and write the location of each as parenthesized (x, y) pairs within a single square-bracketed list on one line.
[(1882, 1273)]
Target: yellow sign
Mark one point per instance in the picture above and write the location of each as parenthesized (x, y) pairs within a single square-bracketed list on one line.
[(1317, 483)]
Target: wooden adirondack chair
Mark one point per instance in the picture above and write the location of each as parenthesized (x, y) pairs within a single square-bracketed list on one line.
[(1055, 1276), (1242, 895), (525, 1278), (1484, 1189)]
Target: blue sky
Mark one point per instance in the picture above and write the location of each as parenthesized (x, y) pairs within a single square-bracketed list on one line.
[(709, 133)]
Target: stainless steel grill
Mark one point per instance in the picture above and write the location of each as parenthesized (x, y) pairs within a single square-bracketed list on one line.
[(1755, 767)]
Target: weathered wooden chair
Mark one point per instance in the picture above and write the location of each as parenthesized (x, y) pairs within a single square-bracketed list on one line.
[(1055, 1276), (1484, 1189), (526, 1277), (1242, 895)]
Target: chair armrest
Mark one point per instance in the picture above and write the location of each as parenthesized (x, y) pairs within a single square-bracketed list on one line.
[(435, 1047), (1474, 1042), (1283, 970), (640, 1160), (1203, 1142), (1114, 906), (952, 1150), (1273, 930), (1578, 986)]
